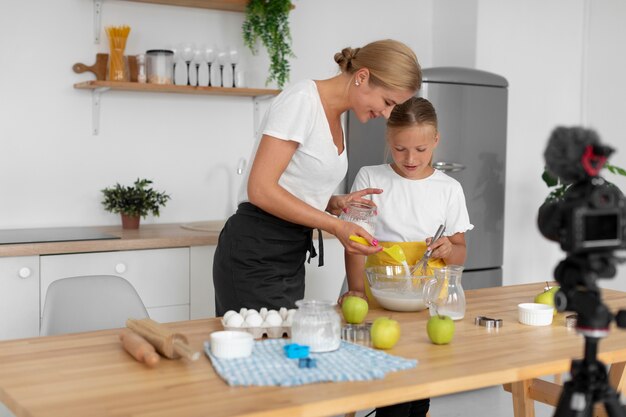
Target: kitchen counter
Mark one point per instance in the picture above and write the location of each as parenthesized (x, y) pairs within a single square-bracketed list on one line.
[(151, 236)]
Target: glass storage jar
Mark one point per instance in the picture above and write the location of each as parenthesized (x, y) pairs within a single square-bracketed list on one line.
[(361, 214), (316, 324), (160, 66)]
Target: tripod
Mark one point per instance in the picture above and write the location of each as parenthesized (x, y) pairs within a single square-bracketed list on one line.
[(589, 384)]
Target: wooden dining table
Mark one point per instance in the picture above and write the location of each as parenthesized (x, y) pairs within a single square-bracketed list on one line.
[(89, 374)]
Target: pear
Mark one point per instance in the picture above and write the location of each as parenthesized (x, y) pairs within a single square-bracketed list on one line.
[(547, 296)]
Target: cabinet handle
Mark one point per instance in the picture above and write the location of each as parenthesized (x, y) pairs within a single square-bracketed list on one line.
[(120, 268), (24, 272)]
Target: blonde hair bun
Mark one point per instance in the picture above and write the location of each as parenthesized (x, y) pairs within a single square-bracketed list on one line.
[(391, 64)]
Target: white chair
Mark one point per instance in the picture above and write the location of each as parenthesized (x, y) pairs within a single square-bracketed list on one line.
[(87, 303)]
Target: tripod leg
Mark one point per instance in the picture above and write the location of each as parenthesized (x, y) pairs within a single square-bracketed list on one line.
[(574, 402), (613, 406)]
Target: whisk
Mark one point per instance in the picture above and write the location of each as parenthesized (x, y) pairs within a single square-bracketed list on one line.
[(421, 267)]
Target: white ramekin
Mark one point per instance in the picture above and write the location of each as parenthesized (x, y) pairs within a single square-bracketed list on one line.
[(534, 314), (229, 344)]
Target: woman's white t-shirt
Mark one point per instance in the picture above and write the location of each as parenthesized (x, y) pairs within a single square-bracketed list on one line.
[(316, 169), (412, 210)]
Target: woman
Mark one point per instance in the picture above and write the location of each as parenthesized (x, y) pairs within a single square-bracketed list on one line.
[(299, 161)]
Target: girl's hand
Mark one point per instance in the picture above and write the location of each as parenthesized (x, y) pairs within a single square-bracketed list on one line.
[(338, 203), (442, 248), (344, 230), (351, 293)]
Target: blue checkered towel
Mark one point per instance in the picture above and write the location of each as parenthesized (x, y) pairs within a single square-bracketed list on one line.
[(268, 365)]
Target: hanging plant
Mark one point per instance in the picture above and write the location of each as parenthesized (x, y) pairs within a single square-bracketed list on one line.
[(268, 20)]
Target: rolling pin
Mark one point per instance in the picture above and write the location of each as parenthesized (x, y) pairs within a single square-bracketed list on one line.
[(169, 344), (139, 348)]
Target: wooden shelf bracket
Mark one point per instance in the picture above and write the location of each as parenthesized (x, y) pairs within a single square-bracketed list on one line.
[(95, 109)]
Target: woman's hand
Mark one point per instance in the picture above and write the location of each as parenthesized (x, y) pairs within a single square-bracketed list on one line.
[(343, 230), (351, 293), (338, 203)]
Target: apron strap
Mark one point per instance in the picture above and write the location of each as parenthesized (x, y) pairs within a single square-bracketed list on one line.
[(311, 248)]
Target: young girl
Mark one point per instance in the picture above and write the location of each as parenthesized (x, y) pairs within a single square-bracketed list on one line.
[(299, 160), (415, 200)]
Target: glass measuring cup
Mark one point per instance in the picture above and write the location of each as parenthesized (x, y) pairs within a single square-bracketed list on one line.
[(444, 293)]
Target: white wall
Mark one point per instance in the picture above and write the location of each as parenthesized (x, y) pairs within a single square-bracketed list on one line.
[(560, 57)]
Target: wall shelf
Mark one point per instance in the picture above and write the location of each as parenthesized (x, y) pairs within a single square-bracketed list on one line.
[(170, 88), (99, 87), (229, 5)]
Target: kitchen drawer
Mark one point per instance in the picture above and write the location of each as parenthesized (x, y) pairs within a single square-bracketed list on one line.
[(19, 297), (160, 276)]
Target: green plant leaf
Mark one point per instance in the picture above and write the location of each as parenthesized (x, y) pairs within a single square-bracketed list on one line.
[(549, 179), (268, 21), (137, 200)]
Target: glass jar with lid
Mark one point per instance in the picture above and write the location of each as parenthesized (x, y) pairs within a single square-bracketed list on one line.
[(316, 324), (362, 214), (160, 66)]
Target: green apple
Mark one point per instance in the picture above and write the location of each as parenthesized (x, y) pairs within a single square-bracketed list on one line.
[(354, 309), (385, 333), (547, 297), (440, 329)]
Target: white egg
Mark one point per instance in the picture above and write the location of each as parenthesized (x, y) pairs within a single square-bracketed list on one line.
[(283, 312), (235, 320), (288, 321), (251, 311), (253, 320), (243, 311), (228, 314), (263, 312), (273, 320), (291, 312)]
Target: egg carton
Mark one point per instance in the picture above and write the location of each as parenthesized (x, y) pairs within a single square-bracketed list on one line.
[(260, 332)]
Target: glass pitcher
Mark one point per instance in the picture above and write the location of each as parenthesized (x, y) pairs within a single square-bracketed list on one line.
[(444, 294), (361, 214)]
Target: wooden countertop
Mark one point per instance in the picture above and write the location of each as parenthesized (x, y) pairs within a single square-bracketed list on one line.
[(150, 236)]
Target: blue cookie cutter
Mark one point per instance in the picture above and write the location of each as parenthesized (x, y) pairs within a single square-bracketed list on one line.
[(307, 363), (296, 351)]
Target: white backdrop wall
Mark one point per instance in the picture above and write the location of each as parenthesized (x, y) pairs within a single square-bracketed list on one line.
[(558, 56)]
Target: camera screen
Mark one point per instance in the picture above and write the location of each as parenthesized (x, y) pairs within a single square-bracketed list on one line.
[(601, 227)]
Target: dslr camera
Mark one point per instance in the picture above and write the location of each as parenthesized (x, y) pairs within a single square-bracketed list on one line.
[(591, 215)]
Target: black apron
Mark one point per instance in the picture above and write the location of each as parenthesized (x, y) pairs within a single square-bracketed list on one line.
[(259, 261)]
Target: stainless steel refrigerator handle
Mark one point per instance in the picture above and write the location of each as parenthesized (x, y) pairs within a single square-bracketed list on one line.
[(448, 166)]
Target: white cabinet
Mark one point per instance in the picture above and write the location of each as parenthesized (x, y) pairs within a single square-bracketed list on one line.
[(202, 300), (19, 297), (325, 283), (160, 276)]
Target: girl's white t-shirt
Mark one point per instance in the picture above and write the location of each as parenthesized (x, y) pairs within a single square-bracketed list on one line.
[(412, 210), (316, 169)]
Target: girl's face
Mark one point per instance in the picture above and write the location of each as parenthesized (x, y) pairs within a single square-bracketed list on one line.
[(369, 101), (412, 150)]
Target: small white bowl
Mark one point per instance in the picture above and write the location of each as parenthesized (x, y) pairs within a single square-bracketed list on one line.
[(229, 344), (534, 314)]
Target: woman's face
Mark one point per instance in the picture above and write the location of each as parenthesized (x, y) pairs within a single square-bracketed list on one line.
[(412, 150), (369, 102)]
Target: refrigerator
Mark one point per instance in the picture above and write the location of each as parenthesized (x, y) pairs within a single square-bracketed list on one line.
[(471, 109)]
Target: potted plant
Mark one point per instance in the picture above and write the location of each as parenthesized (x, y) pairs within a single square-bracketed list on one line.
[(268, 20), (133, 202)]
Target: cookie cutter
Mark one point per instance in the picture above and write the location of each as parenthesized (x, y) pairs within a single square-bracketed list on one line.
[(488, 322)]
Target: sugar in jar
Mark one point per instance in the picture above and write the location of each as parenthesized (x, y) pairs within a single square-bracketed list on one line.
[(316, 324)]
